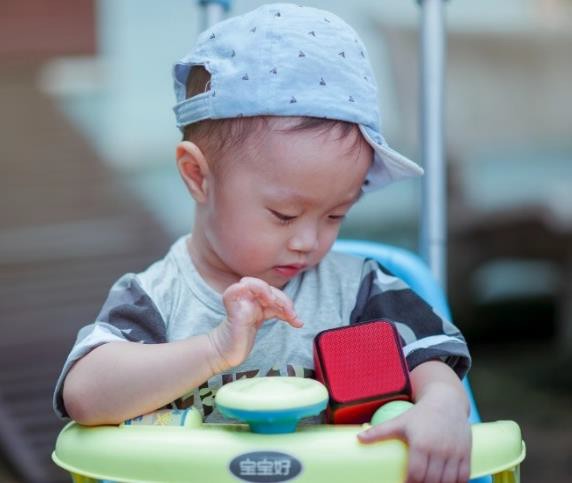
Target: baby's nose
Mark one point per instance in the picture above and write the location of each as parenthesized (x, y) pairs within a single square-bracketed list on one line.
[(305, 239)]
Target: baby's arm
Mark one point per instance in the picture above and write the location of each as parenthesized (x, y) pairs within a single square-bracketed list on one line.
[(121, 380), (436, 428)]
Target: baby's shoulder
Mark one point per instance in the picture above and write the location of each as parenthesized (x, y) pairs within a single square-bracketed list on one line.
[(160, 272), (161, 280)]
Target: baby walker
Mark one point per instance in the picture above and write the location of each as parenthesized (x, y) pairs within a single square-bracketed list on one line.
[(269, 445)]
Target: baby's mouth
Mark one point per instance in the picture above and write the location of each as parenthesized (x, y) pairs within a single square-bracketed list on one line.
[(290, 270)]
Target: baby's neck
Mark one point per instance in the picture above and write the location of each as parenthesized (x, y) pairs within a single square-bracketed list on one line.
[(205, 263)]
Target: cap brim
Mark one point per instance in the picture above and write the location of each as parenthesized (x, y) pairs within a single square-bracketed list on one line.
[(388, 165)]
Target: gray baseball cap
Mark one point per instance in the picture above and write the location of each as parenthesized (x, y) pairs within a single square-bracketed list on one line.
[(285, 59)]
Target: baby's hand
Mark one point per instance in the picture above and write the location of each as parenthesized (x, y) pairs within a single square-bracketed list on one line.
[(248, 304), (439, 440)]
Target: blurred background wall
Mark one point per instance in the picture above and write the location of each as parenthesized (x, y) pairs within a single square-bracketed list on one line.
[(90, 190)]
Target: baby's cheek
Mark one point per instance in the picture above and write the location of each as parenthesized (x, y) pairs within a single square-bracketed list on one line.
[(326, 242)]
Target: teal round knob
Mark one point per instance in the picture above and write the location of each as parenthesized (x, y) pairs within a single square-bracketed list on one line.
[(272, 404)]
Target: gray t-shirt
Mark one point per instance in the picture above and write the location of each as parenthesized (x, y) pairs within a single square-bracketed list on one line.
[(170, 301)]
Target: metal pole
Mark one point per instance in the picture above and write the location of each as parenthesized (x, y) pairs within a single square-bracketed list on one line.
[(213, 11), (433, 236)]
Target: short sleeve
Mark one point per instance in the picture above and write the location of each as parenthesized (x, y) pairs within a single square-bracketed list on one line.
[(128, 314), (425, 334)]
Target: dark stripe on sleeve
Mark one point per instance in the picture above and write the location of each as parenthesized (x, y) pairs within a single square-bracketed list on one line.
[(387, 297), (404, 306), (129, 308), (362, 299), (460, 363)]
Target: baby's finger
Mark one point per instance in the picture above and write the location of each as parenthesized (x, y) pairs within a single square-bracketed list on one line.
[(274, 302), (392, 429), (464, 470), (434, 469), (258, 289), (286, 308), (417, 466), (451, 471)]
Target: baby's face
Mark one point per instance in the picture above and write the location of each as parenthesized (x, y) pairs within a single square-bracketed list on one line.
[(278, 205)]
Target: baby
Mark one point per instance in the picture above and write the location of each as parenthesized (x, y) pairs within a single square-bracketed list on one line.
[(281, 136)]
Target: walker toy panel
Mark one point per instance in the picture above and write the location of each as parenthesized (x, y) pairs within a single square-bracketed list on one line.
[(227, 453)]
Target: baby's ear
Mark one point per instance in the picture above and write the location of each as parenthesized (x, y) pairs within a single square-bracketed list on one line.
[(194, 169)]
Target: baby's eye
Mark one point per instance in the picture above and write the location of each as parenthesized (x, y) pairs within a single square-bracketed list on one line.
[(337, 217), (283, 218)]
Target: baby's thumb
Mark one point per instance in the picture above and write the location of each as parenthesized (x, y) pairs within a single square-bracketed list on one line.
[(389, 430)]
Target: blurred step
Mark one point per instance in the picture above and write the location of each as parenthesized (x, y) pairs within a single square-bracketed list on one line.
[(68, 230)]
